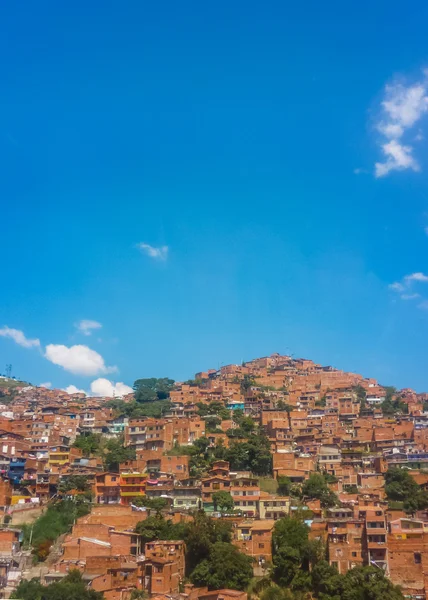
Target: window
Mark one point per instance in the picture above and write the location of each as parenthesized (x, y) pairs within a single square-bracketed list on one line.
[(261, 545), (418, 558), (354, 554)]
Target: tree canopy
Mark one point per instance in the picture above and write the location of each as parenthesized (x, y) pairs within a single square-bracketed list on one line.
[(115, 453), (199, 535), (300, 570), (400, 485), (57, 519), (72, 587), (316, 487), (225, 567), (152, 389), (88, 443), (223, 500)]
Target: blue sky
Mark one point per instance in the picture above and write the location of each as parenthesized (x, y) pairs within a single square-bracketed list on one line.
[(212, 183)]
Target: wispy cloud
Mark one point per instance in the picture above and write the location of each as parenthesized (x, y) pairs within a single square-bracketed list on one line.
[(18, 337), (416, 277), (86, 326), (402, 107), (46, 384), (158, 253), (404, 287)]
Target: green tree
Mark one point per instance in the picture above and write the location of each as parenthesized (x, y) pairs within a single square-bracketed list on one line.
[(223, 500), (89, 443), (290, 550), (139, 595), (75, 482), (200, 536), (274, 592), (115, 453), (252, 455), (151, 389), (400, 485), (57, 519), (212, 424), (225, 567), (156, 504), (284, 485), (247, 382), (72, 587), (158, 528), (135, 410), (368, 583), (316, 487)]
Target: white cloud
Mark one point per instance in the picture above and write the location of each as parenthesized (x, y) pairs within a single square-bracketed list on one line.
[(78, 359), (416, 277), (398, 157), (46, 384), (18, 337), (402, 107), (405, 105), (160, 253), (72, 389), (104, 387), (391, 130), (403, 287), (397, 287), (86, 326)]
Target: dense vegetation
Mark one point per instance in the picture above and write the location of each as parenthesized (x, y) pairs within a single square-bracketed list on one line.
[(316, 487), (210, 557), (393, 403), (300, 567), (152, 389), (112, 451), (72, 587), (57, 519), (300, 570), (252, 454), (400, 486)]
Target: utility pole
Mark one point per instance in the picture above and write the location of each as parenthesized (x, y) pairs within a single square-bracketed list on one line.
[(8, 371)]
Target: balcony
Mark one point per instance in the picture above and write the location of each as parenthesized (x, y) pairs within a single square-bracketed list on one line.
[(376, 544), (132, 494)]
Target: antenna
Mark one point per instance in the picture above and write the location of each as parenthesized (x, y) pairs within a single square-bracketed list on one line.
[(8, 371)]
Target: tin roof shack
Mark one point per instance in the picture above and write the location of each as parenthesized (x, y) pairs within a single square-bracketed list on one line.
[(408, 559)]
